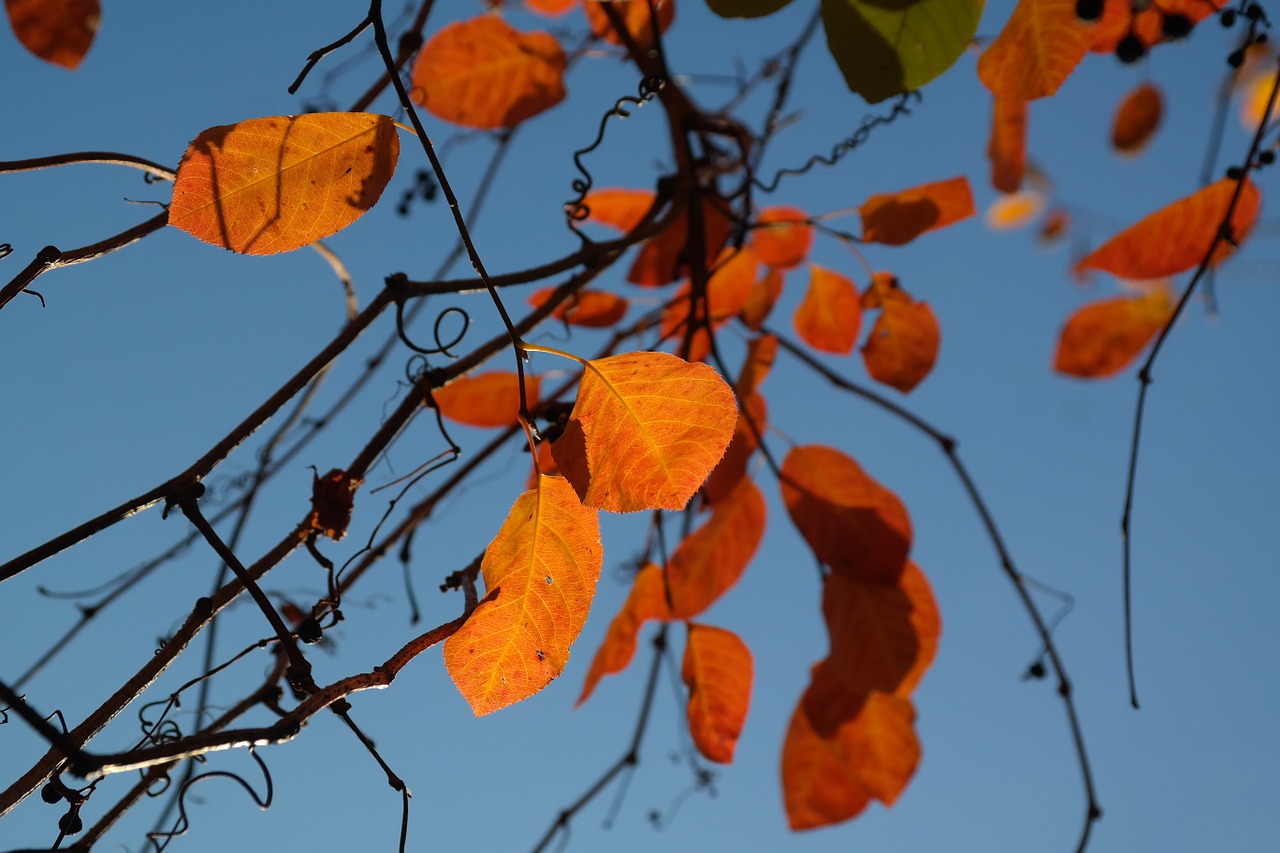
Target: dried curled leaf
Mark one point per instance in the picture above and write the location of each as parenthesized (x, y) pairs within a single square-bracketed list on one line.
[(645, 431), (482, 73), (271, 185), (57, 31), (332, 499), (540, 575), (717, 671)]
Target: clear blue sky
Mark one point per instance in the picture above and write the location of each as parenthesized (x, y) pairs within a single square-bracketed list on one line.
[(144, 359)]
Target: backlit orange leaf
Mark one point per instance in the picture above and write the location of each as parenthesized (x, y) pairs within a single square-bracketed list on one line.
[(844, 748), (1103, 338), (540, 575), (897, 218), (1120, 17), (903, 344), (597, 309), (1007, 149), (1256, 94), (332, 497), (727, 291), (550, 8), (711, 559), (1177, 237), (647, 600), (717, 671), (761, 352), (660, 259), (1136, 119), (276, 184), (783, 239), (645, 431), (57, 31), (883, 637), (733, 465), (829, 316), (852, 523), (1014, 210), (486, 399), (482, 73), (621, 209), (635, 15), (1040, 45), (764, 295)]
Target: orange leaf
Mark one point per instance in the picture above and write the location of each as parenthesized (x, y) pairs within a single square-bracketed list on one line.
[(882, 637), (764, 294), (727, 291), (621, 209), (482, 73), (1137, 119), (852, 523), (270, 185), (712, 558), (660, 260), (897, 218), (733, 465), (1177, 237), (761, 352), (540, 574), (332, 497), (634, 15), (647, 600), (645, 431), (781, 238), (1119, 18), (1101, 339), (829, 316), (1014, 210), (550, 8), (903, 344), (486, 399), (717, 670), (842, 749), (1007, 149), (1038, 48), (57, 31), (596, 309)]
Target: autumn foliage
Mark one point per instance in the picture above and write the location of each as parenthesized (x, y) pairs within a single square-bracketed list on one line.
[(672, 417)]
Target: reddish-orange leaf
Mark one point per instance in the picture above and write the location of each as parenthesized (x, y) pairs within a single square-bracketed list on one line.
[(883, 637), (1136, 119), (717, 671), (57, 31), (844, 748), (764, 295), (727, 291), (783, 240), (761, 352), (1102, 339), (659, 260), (636, 17), (852, 523), (1014, 210), (1007, 149), (647, 600), (884, 287), (829, 316), (1038, 48), (712, 558), (550, 8), (733, 466), (332, 497), (897, 218), (482, 73), (276, 184), (621, 209), (645, 431), (596, 309), (1177, 237), (486, 399), (1120, 17), (903, 344), (540, 575)]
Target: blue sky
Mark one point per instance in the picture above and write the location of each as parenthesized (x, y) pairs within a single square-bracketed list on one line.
[(144, 359)]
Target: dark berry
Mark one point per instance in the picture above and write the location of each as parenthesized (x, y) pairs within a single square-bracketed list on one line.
[(309, 631), (70, 823), (1089, 10), (1227, 18), (1253, 11), (1130, 49), (1175, 26), (1036, 670), (1236, 58), (51, 794), (1235, 173), (1266, 158)]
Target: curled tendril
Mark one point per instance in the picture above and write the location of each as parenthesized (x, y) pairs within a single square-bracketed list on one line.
[(900, 108), (441, 348), (575, 209), (182, 824)]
